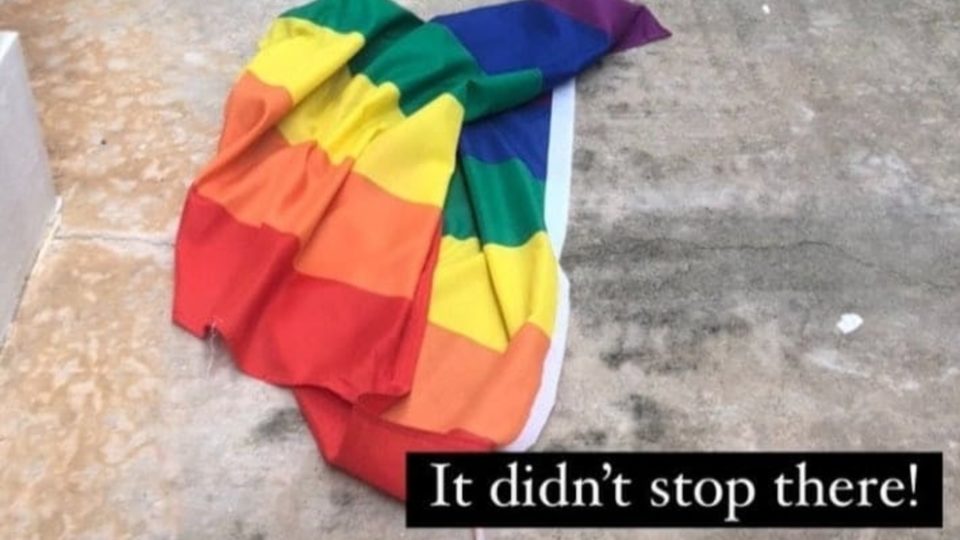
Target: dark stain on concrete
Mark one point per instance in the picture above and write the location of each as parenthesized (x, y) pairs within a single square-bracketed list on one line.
[(239, 532), (673, 296), (622, 60), (554, 446), (591, 438), (583, 159), (649, 418), (645, 166), (619, 108), (282, 424), (343, 498), (671, 340)]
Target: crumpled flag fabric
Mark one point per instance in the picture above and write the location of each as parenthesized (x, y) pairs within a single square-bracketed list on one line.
[(371, 230)]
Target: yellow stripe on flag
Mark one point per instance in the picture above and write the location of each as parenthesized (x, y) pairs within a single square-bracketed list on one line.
[(343, 115), (414, 159), (488, 295), (349, 116), (299, 55)]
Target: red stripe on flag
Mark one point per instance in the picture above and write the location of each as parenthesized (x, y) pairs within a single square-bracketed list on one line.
[(285, 327)]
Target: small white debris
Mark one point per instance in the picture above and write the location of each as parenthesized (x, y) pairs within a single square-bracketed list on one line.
[(766, 9), (849, 323), (194, 58)]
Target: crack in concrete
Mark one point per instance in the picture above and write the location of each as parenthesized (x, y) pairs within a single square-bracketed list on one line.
[(111, 237)]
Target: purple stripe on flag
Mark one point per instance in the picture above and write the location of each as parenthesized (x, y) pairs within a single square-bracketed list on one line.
[(628, 25)]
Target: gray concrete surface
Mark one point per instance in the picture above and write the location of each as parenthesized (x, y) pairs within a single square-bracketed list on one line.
[(737, 189)]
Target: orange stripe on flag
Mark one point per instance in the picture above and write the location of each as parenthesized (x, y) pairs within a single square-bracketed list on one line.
[(350, 230), (481, 391)]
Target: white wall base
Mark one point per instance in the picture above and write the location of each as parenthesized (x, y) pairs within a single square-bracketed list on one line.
[(27, 197)]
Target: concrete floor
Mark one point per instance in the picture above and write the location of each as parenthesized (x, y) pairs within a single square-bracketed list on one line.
[(737, 189)]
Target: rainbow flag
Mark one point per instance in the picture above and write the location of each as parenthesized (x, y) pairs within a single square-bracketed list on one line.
[(380, 227)]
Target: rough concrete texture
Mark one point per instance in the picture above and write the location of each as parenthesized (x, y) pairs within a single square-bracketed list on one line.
[(737, 189)]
